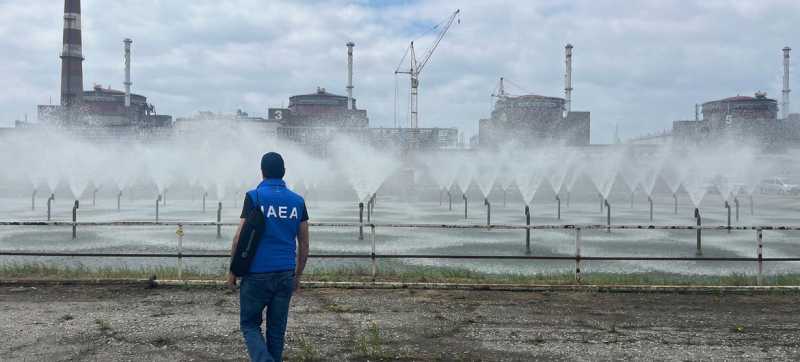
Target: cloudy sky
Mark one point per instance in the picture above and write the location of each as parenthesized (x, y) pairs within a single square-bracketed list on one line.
[(639, 64)]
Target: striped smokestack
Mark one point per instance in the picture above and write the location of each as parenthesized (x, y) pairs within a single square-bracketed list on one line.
[(71, 55)]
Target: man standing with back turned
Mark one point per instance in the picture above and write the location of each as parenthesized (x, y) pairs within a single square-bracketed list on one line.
[(277, 267)]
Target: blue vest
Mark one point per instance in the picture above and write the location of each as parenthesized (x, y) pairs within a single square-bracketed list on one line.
[(283, 210)]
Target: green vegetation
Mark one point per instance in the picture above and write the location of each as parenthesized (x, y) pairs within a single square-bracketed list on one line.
[(369, 344), (305, 351), (103, 325), (398, 273)]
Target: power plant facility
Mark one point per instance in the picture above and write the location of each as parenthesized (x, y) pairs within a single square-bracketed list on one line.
[(756, 119), (99, 112), (534, 119)]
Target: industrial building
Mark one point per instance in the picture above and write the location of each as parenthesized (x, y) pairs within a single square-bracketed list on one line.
[(99, 112), (534, 119), (754, 120), (314, 120)]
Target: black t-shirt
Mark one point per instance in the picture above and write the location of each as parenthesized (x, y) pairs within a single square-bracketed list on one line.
[(248, 205)]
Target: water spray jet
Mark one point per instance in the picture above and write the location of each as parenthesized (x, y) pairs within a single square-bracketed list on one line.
[(728, 206), (119, 199), (736, 203), (75, 220), (528, 230), (158, 202), (94, 197), (650, 200), (488, 211), (675, 198), (33, 200), (50, 201), (464, 196), (205, 195), (558, 208), (602, 202), (699, 251), (164, 199), (360, 221), (608, 217), (219, 220), (751, 204)]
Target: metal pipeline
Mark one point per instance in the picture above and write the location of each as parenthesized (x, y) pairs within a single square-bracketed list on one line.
[(528, 230), (699, 232), (608, 217), (464, 196), (488, 211), (33, 200), (728, 206), (219, 220), (650, 200), (360, 221), (558, 208), (75, 220), (158, 202), (50, 201)]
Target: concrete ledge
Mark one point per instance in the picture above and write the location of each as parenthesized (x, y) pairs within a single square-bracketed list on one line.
[(692, 289)]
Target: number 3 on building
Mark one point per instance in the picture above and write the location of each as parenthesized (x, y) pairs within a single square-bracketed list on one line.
[(279, 114)]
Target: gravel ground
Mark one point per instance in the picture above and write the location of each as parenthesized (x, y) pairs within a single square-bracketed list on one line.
[(132, 323)]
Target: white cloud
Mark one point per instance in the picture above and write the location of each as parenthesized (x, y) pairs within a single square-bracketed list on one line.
[(641, 64)]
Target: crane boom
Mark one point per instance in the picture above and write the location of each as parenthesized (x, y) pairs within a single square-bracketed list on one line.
[(416, 66)]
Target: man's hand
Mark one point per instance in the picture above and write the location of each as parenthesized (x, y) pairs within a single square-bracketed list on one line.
[(231, 282), (296, 288)]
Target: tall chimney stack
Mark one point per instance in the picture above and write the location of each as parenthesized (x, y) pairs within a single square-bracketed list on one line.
[(71, 55), (350, 46), (568, 79), (785, 106), (128, 72)]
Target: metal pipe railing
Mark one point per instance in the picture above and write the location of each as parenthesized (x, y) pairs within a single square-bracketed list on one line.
[(374, 255)]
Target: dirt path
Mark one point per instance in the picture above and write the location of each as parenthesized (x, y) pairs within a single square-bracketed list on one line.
[(118, 322)]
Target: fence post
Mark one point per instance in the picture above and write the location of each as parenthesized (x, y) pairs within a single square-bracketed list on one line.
[(75, 220), (374, 260), (219, 220), (578, 255), (179, 232), (760, 251), (528, 230)]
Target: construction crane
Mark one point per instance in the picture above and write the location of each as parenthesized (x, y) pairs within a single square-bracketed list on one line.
[(416, 66)]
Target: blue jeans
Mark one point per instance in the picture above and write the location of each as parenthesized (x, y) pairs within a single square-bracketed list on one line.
[(272, 291)]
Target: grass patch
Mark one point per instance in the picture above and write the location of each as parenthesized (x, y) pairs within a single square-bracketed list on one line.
[(398, 273), (305, 352), (369, 344), (102, 325)]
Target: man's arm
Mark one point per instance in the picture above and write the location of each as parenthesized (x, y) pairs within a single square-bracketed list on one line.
[(302, 252), (234, 243)]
